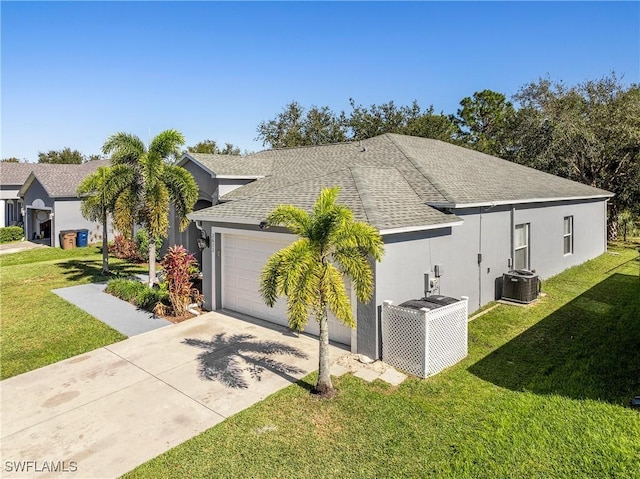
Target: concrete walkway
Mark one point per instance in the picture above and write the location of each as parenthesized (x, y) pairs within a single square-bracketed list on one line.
[(118, 314), (21, 246), (105, 412)]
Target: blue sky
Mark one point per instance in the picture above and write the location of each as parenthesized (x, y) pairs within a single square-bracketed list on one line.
[(75, 72)]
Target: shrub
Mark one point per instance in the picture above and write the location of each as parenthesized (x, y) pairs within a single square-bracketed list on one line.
[(125, 289), (136, 293), (178, 264), (11, 233), (124, 248), (142, 243), (148, 298)]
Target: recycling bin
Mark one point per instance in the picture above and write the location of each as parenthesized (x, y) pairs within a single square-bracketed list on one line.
[(83, 238)]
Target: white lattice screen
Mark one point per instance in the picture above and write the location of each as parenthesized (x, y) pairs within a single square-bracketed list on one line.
[(423, 342)]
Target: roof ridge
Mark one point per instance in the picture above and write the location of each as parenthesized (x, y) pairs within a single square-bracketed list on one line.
[(364, 206), (438, 187), (301, 147)]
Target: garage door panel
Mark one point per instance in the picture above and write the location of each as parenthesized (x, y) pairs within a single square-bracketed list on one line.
[(242, 262)]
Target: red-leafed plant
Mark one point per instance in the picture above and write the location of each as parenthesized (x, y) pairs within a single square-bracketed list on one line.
[(178, 266), (124, 248)]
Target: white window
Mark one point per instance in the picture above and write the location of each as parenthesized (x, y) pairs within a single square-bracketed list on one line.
[(568, 235), (521, 246)]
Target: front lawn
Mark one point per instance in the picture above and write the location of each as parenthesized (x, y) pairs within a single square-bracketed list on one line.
[(37, 327), (544, 393)]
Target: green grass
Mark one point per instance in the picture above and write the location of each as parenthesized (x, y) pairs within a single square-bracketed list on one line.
[(542, 394), (38, 327)]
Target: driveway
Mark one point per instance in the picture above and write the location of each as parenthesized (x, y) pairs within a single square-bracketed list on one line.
[(105, 412), (7, 248)]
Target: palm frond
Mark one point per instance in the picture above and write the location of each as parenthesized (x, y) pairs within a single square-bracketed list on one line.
[(270, 279), (326, 201), (156, 210), (295, 219), (336, 295), (355, 264), (124, 148), (166, 144), (124, 213), (356, 234), (183, 191)]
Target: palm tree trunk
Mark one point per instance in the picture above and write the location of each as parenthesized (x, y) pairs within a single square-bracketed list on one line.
[(324, 385), (105, 246), (152, 261)]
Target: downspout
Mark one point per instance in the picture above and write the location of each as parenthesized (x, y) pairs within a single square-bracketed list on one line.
[(480, 261), (606, 225), (512, 253)]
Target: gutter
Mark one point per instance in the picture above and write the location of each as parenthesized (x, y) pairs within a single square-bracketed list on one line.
[(515, 202)]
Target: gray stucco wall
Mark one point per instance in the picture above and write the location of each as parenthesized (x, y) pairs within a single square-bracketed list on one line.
[(67, 216), (546, 232), (207, 185), (36, 191), (400, 275)]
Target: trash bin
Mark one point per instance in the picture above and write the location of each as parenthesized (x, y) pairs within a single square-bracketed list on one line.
[(68, 239), (83, 238)]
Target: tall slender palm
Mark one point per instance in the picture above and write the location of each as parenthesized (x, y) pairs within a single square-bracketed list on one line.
[(310, 271), (97, 192), (150, 183)]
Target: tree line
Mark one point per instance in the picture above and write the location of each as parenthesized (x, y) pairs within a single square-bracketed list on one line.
[(589, 132), (67, 156)]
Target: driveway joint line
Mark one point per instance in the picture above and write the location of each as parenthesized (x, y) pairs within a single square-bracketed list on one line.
[(171, 386)]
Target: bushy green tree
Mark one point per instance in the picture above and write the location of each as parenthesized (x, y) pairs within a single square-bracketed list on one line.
[(212, 148), (484, 122), (588, 133), (65, 156)]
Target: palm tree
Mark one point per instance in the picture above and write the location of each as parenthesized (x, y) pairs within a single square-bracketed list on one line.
[(149, 183), (97, 194), (310, 271)]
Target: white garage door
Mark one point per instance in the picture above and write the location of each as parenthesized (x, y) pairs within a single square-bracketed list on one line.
[(242, 261)]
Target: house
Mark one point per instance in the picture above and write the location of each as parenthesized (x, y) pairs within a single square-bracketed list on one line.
[(440, 208), (12, 177), (215, 175), (51, 203)]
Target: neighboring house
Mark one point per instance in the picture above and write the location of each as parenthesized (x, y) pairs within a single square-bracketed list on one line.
[(12, 177), (215, 175), (51, 204), (435, 204)]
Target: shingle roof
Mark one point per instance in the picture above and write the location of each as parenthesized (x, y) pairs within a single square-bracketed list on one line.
[(232, 165), (61, 181), (393, 205), (395, 177), (15, 174), (466, 176)]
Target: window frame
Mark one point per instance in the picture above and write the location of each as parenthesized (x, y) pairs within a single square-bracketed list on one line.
[(10, 213), (567, 235), (527, 228)]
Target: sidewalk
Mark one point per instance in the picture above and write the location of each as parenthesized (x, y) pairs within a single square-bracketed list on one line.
[(120, 315)]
